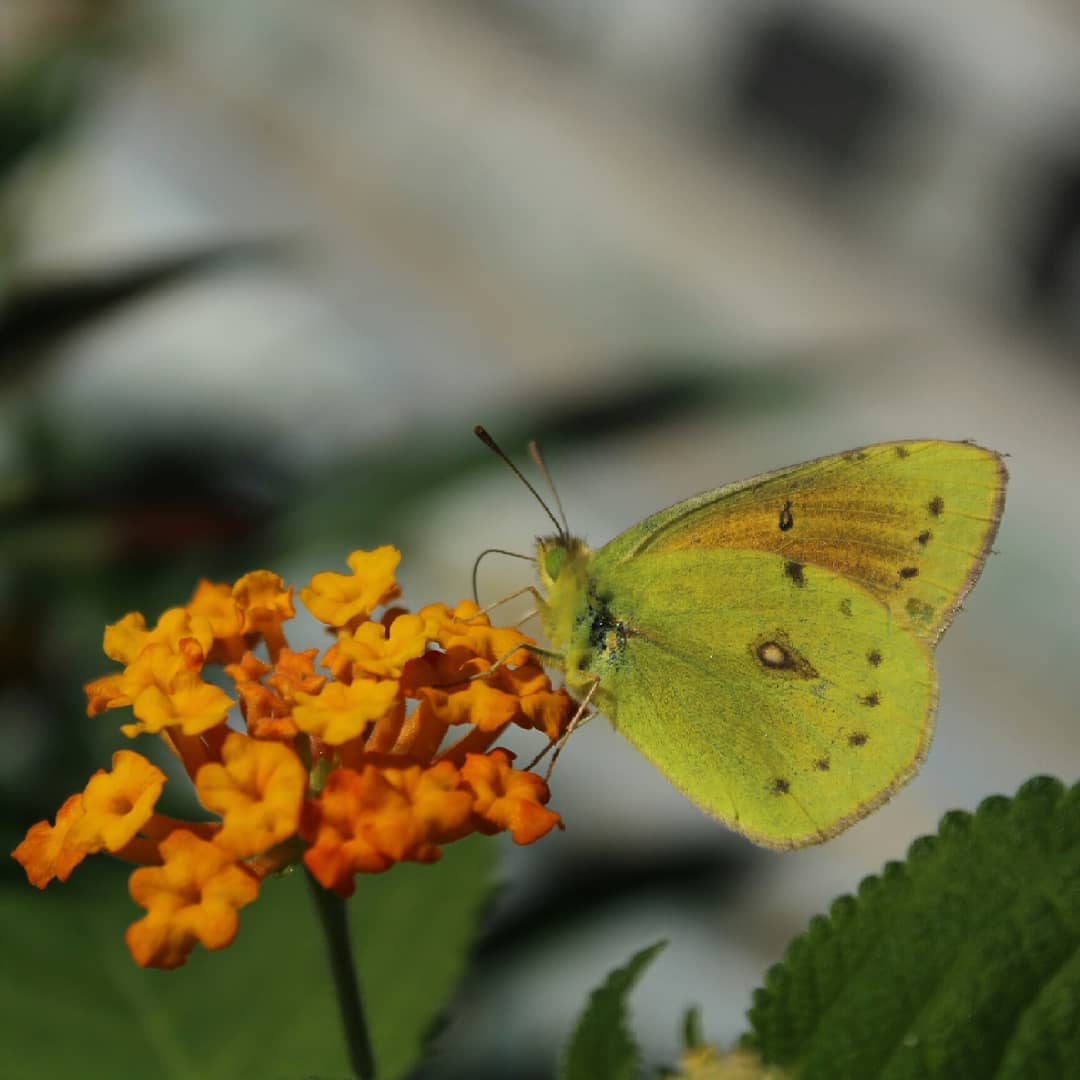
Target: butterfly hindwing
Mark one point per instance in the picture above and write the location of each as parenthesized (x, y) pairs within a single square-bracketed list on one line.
[(787, 704)]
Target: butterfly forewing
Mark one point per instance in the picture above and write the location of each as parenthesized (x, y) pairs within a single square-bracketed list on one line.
[(910, 521)]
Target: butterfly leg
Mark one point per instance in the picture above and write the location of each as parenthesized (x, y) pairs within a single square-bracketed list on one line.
[(510, 596), (546, 656), (577, 720)]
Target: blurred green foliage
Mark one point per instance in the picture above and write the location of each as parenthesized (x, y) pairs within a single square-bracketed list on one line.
[(262, 1007)]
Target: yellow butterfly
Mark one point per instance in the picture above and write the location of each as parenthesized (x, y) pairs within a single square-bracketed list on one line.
[(769, 645)]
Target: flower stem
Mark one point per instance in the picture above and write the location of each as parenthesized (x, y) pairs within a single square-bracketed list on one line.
[(331, 909)]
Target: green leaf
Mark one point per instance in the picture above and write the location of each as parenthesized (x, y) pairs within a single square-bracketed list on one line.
[(962, 961), (75, 1004), (601, 1045)]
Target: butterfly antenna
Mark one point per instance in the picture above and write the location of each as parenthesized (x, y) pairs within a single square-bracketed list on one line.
[(491, 444), (541, 464), (493, 551)]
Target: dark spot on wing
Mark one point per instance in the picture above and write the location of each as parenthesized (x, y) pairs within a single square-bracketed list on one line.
[(936, 505), (780, 786), (794, 570), (907, 572), (858, 738), (924, 537), (776, 654), (822, 764), (871, 699), (786, 518), (919, 609), (873, 657), (903, 452), (845, 607)]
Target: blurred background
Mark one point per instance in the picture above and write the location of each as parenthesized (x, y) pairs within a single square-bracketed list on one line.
[(263, 265)]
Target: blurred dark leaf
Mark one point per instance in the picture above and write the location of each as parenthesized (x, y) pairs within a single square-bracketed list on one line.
[(142, 503), (586, 886), (36, 317), (366, 494), (39, 99)]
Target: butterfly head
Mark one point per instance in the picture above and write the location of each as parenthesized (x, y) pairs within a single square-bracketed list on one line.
[(557, 554), (562, 565)]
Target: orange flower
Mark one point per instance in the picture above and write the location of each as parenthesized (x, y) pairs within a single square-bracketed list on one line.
[(45, 852), (295, 672), (545, 709), (266, 605), (258, 788), (366, 821), (507, 798), (193, 897), (105, 693), (268, 708), (342, 765), (474, 702)]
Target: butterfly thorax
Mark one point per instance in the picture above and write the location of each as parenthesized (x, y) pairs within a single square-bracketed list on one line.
[(575, 619)]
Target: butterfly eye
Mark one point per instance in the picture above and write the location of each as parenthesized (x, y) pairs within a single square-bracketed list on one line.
[(554, 558)]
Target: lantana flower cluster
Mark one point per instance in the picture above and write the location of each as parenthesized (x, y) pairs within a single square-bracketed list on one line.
[(345, 761)]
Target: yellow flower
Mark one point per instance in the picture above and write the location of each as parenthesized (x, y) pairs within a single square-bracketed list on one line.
[(342, 763), (373, 650), (117, 804), (466, 625), (215, 602), (125, 640), (346, 599), (340, 711), (165, 692), (258, 788)]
